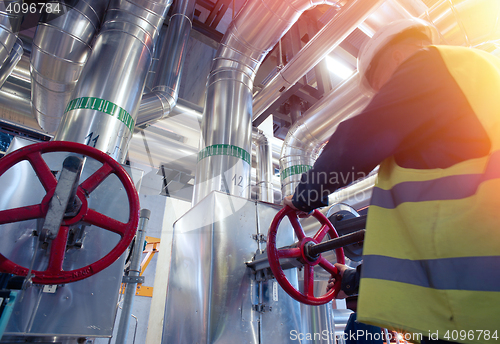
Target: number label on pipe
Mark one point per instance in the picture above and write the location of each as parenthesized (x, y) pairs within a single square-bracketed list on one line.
[(275, 291)]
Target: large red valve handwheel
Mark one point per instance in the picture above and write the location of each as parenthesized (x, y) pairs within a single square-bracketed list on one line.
[(298, 252), (54, 274)]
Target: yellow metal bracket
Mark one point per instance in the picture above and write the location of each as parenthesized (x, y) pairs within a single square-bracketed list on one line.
[(152, 247)]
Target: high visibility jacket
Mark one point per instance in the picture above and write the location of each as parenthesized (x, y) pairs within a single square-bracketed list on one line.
[(432, 248)]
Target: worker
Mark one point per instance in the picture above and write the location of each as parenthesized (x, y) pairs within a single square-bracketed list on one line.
[(431, 254)]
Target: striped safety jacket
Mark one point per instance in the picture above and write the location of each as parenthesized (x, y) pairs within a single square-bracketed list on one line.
[(431, 256)]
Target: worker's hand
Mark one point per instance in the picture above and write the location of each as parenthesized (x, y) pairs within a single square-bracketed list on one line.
[(287, 201), (331, 282)]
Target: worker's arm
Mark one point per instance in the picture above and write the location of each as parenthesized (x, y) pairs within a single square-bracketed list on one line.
[(420, 116)]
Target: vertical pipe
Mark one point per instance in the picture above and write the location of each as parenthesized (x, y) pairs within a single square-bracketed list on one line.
[(306, 137), (224, 158), (158, 103), (135, 271), (103, 107), (60, 48), (10, 23), (264, 157)]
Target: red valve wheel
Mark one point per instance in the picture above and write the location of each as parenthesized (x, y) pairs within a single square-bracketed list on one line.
[(54, 274), (298, 252)]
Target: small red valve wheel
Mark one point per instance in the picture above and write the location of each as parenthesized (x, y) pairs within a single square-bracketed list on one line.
[(299, 252), (54, 274)]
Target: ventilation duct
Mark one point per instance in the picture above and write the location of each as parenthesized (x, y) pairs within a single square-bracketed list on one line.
[(165, 86), (472, 23), (265, 170), (14, 57), (226, 126), (103, 107), (60, 49), (10, 24)]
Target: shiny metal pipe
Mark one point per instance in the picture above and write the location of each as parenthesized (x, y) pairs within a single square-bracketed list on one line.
[(10, 63), (466, 22), (10, 24), (306, 137), (226, 126), (168, 75), (60, 49), (265, 171), (327, 39), (103, 107), (165, 85)]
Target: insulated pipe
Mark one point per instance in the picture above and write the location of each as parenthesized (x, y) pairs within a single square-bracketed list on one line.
[(460, 22), (103, 107), (8, 66), (165, 86), (323, 43), (60, 49), (10, 23), (307, 136), (467, 23), (265, 171), (224, 158)]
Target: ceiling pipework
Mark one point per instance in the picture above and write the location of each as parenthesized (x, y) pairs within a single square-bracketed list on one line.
[(460, 22), (324, 42), (9, 26), (60, 48), (223, 162), (104, 105), (165, 87), (11, 61)]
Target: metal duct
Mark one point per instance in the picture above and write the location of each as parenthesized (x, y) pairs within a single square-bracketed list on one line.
[(460, 22), (103, 107), (323, 43), (60, 49), (265, 171), (8, 66), (468, 23), (10, 24), (224, 159), (307, 136), (165, 87)]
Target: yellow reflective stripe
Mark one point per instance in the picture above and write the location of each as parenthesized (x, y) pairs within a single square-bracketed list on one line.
[(391, 173), (446, 188), (416, 309)]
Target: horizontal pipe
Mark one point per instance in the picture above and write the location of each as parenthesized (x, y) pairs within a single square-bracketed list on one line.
[(327, 39)]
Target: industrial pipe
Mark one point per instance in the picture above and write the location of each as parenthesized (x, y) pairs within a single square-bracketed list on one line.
[(224, 158), (165, 85), (103, 108), (323, 43), (8, 66), (60, 48), (306, 138), (265, 171), (10, 23)]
